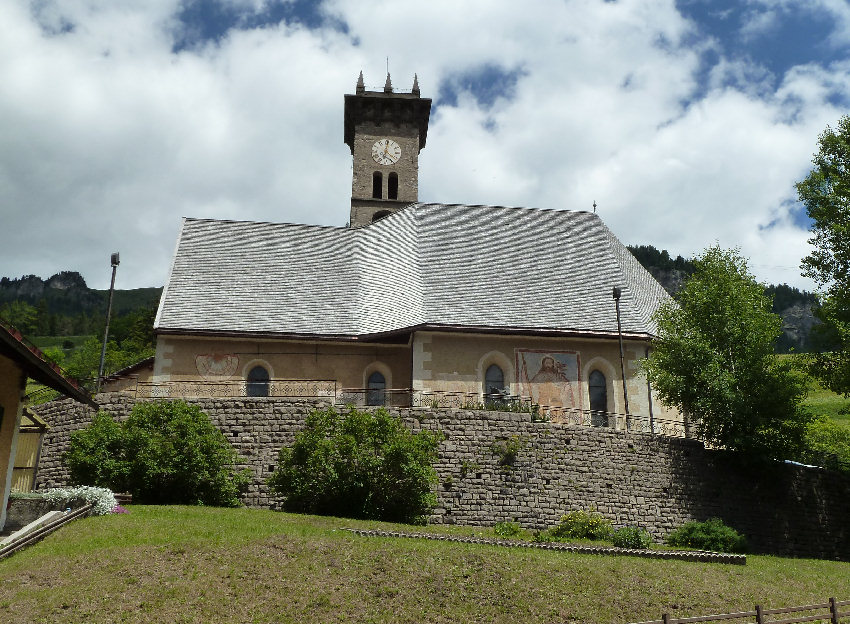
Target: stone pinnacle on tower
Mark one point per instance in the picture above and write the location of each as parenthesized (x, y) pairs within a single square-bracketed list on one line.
[(415, 85), (388, 85), (361, 88)]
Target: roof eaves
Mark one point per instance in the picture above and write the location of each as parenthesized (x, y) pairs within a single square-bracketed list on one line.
[(32, 361)]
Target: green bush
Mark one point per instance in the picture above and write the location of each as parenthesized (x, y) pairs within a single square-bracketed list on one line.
[(507, 529), (164, 453), (631, 537), (358, 465), (827, 444), (579, 524), (709, 535)]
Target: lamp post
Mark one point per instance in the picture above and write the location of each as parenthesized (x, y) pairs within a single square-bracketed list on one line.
[(617, 293), (115, 262)]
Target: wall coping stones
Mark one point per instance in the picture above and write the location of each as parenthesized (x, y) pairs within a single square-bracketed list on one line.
[(703, 556)]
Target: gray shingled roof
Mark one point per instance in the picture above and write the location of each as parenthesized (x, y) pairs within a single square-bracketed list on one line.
[(431, 265)]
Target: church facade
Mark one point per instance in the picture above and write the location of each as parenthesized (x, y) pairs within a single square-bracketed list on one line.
[(413, 303)]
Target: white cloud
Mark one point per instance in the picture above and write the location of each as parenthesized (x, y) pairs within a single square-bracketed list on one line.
[(109, 138)]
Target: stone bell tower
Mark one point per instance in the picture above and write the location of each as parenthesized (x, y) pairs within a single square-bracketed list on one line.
[(385, 131)]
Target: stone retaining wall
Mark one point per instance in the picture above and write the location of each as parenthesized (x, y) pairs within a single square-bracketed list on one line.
[(652, 481)]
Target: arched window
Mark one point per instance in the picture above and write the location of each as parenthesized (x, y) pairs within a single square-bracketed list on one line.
[(392, 186), (377, 185), (258, 382), (598, 388), (494, 380), (380, 215), (377, 384)]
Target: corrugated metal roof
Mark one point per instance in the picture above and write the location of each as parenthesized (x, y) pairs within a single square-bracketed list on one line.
[(426, 265)]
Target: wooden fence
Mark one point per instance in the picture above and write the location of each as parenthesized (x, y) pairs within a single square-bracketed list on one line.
[(824, 612)]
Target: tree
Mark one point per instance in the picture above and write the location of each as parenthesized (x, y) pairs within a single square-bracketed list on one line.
[(164, 453), (358, 465), (826, 194), (713, 360), (21, 315)]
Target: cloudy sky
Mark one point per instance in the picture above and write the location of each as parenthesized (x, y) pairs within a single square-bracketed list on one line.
[(686, 121)]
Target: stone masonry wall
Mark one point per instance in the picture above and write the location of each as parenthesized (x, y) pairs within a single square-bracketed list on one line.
[(652, 481)]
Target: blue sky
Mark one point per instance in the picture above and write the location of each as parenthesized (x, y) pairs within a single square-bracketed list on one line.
[(686, 121)]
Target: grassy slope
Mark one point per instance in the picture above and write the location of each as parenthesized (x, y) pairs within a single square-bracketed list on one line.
[(179, 564), (823, 401)]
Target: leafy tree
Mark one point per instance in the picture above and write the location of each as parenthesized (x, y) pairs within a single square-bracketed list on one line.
[(826, 194), (358, 465), (164, 453), (713, 360), (20, 314)]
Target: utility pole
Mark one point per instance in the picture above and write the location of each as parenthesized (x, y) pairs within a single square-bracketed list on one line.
[(115, 262), (617, 292)]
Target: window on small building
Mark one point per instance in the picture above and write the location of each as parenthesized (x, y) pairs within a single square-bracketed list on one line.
[(392, 186), (377, 185), (598, 389), (258, 382), (376, 385), (494, 380)]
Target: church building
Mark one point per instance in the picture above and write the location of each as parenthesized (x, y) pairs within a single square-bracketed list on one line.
[(411, 304)]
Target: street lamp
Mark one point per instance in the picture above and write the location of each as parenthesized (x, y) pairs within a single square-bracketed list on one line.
[(115, 262), (617, 293)]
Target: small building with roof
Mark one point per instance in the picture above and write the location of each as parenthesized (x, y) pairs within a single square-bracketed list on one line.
[(20, 360), (412, 303)]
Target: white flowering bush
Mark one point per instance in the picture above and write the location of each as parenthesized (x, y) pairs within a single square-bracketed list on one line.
[(102, 499)]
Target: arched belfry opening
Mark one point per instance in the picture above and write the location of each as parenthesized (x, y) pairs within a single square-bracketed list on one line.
[(392, 186), (377, 185), (385, 129)]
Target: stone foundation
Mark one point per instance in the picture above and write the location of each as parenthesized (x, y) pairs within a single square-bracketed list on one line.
[(652, 481)]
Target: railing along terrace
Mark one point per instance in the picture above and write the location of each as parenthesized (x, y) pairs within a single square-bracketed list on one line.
[(282, 388), (437, 399), (401, 398)]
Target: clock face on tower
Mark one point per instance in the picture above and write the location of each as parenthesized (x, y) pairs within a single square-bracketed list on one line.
[(386, 152)]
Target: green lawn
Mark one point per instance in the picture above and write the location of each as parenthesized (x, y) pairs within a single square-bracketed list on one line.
[(195, 564), (823, 401)]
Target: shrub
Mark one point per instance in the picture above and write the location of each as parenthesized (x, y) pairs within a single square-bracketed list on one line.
[(165, 452), (827, 444), (631, 537), (579, 524), (507, 449), (358, 465), (507, 529), (709, 535)]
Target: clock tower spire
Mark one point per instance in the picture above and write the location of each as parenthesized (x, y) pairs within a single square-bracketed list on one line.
[(385, 131)]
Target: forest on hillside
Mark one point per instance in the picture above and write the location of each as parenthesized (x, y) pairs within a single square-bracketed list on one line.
[(66, 318)]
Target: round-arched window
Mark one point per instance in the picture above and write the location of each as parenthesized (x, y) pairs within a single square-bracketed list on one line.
[(598, 388), (376, 384), (258, 382), (494, 380)]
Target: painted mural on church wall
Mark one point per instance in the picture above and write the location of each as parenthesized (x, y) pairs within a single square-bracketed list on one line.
[(550, 378), (213, 366)]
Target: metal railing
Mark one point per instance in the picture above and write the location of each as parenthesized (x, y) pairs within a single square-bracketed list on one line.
[(404, 398), (436, 399), (202, 389)]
